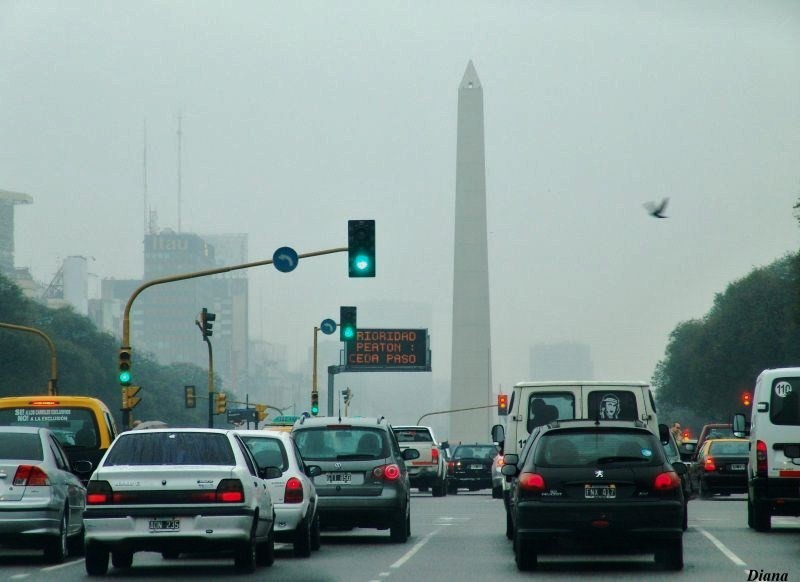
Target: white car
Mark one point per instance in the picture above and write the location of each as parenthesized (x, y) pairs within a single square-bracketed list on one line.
[(178, 490), (293, 493)]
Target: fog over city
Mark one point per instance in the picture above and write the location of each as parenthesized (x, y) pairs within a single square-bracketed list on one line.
[(299, 116)]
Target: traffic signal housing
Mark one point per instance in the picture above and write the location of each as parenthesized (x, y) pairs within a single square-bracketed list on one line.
[(747, 398), (347, 324), (221, 402), (261, 412), (314, 403), (125, 366), (502, 404), (361, 248), (207, 322), (189, 397), (129, 398), (348, 395)]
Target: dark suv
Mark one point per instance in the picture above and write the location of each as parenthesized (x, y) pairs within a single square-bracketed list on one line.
[(364, 481), (597, 485)]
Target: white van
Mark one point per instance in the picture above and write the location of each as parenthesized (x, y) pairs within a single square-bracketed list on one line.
[(535, 404), (773, 470)]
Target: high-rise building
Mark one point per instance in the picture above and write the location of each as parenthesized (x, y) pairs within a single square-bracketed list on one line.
[(7, 202), (471, 383)]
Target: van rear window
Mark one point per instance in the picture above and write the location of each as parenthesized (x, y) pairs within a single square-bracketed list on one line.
[(784, 405), (612, 405), (545, 407), (73, 427)]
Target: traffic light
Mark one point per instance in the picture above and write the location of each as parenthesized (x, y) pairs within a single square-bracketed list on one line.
[(207, 322), (314, 403), (261, 412), (747, 398), (361, 248), (347, 324), (348, 395), (221, 402), (129, 398), (502, 404), (125, 366), (188, 397)]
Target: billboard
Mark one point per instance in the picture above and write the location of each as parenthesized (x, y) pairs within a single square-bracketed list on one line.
[(388, 350)]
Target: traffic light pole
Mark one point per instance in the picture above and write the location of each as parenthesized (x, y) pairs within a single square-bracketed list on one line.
[(455, 410), (52, 385), (210, 383)]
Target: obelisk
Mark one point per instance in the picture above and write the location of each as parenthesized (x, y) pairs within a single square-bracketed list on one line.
[(471, 384)]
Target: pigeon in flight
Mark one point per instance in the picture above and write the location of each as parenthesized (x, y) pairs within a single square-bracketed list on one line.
[(657, 210)]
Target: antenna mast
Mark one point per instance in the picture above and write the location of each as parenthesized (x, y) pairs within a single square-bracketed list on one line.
[(144, 177), (180, 170)]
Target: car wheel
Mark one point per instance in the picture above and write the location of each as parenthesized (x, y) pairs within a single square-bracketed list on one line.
[(525, 554), (316, 537), (122, 559), (509, 526), (497, 492), (670, 555), (685, 524), (244, 556), (170, 554), (55, 547), (762, 518), (398, 530), (75, 543), (265, 551), (453, 489), (302, 539), (408, 525), (440, 489), (96, 560), (750, 521)]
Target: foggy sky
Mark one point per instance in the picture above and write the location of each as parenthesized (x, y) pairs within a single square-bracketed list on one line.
[(298, 117)]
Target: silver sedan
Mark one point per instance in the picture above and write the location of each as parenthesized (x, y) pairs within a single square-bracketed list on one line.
[(41, 501)]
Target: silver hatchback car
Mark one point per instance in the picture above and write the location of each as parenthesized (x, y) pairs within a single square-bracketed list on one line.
[(41, 501)]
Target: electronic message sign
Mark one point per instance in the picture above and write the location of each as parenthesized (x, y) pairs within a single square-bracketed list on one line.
[(390, 350)]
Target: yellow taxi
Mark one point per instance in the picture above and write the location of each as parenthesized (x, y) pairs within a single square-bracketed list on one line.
[(83, 425), (281, 423)]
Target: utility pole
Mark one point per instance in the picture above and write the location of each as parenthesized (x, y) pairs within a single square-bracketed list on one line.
[(52, 385)]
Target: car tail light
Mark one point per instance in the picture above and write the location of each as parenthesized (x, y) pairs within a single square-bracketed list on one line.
[(293, 493), (451, 465), (761, 459), (387, 472), (709, 464), (435, 455), (31, 476), (531, 482), (230, 491), (98, 493), (666, 481)]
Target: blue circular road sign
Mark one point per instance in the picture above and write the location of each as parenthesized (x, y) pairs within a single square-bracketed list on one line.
[(285, 259), (328, 326)]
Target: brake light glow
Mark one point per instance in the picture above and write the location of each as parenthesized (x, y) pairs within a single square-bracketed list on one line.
[(531, 482), (43, 403), (293, 492), (450, 466), (30, 476), (230, 491), (387, 472), (761, 459), (98, 493), (435, 455), (709, 464), (666, 481)]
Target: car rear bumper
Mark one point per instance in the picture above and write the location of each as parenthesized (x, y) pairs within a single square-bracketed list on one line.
[(376, 511), (725, 483), (781, 495), (426, 475), (29, 522), (483, 481), (288, 516)]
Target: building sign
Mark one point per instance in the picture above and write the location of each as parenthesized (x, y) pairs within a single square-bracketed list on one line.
[(389, 350)]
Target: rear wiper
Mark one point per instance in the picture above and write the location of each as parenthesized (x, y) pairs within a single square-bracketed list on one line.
[(604, 460)]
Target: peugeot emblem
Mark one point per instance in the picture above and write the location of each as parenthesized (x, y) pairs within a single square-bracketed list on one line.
[(337, 465), (163, 481), (598, 473)]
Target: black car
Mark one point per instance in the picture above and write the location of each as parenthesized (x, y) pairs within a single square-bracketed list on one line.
[(470, 467), (596, 486), (721, 467)]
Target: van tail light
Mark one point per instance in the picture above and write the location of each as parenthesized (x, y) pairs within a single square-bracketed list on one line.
[(98, 493), (531, 482), (30, 476), (709, 464), (387, 472), (293, 493), (761, 459), (666, 481), (230, 491), (434, 455)]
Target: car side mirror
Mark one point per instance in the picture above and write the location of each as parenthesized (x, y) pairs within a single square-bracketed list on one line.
[(269, 472), (509, 470), (82, 467), (313, 470), (410, 454), (680, 468), (444, 445), (739, 425), (498, 434), (663, 434), (510, 459)]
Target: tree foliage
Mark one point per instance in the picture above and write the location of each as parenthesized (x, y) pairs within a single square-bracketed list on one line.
[(87, 363), (752, 326)]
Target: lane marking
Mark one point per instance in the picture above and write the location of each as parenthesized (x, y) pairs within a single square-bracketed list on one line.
[(384, 574), (417, 547), (722, 548), (19, 576)]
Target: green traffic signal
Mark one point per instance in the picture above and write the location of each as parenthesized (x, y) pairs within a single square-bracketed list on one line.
[(347, 323), (315, 409), (348, 332), (361, 248), (314, 403), (362, 263), (124, 377)]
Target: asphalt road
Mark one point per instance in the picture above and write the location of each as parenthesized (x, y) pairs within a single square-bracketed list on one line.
[(461, 538)]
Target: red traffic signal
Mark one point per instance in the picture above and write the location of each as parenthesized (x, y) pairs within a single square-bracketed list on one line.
[(502, 404), (747, 398)]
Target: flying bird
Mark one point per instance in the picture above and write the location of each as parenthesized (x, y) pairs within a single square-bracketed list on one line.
[(657, 210)]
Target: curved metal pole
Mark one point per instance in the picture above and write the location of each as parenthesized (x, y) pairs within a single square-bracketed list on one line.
[(455, 410), (52, 385)]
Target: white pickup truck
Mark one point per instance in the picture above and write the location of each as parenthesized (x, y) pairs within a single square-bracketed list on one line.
[(430, 469)]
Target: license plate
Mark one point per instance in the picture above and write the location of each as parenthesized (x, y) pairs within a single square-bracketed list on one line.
[(164, 524), (737, 467), (476, 466), (600, 491), (339, 478)]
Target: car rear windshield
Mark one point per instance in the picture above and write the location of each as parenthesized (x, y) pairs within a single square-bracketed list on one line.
[(784, 407), (73, 427), (342, 443), (596, 447), (171, 448), (413, 435), (268, 452), (485, 452), (730, 448), (17, 446)]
